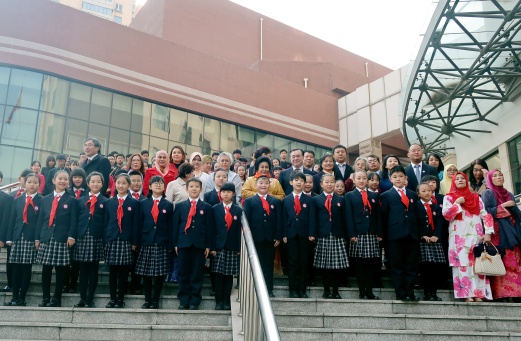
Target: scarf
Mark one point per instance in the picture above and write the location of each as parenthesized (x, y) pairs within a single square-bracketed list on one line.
[(500, 193), (471, 203), (446, 182), (167, 167)]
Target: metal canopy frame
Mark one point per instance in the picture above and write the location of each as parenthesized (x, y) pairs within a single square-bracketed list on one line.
[(468, 65)]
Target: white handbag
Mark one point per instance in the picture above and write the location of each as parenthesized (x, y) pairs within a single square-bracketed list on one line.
[(488, 265)]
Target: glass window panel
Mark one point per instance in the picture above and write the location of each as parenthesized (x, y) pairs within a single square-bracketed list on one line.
[(24, 89), (139, 142), (119, 140), (79, 101), (157, 144), (160, 121), (100, 106), (121, 106), (264, 140), (246, 140), (194, 134), (50, 132), (2, 110), (178, 126), (141, 116), (55, 92), (19, 126), (191, 149), (101, 132), (280, 143), (4, 83), (228, 137), (300, 145), (19, 158), (212, 131), (41, 156), (75, 135), (516, 180)]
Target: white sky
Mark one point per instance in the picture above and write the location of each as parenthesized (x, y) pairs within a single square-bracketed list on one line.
[(384, 31)]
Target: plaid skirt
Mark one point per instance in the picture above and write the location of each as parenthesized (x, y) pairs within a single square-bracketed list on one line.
[(54, 253), (366, 247), (118, 252), (226, 262), (432, 253), (88, 249), (153, 260), (23, 251), (330, 253)]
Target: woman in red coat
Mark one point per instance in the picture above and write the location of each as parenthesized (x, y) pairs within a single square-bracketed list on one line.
[(162, 168)]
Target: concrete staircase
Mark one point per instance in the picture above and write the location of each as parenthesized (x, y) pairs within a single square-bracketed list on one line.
[(298, 319)]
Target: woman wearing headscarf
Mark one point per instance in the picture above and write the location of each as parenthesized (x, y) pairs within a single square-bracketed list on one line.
[(196, 160), (448, 175), (499, 202), (161, 168), (262, 167), (464, 210)]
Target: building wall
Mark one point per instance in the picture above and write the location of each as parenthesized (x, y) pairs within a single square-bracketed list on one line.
[(120, 11)]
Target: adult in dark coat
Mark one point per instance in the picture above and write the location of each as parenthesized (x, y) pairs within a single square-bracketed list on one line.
[(417, 169), (96, 162)]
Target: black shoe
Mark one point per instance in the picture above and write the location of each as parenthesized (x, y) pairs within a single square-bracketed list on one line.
[(219, 306), (403, 298), (193, 307), (326, 294), (154, 305), (293, 294), (19, 303), (7, 288), (226, 306), (270, 294), (363, 297), (65, 289), (90, 304), (54, 303), (44, 302), (414, 298), (111, 304), (212, 293), (336, 296), (183, 307), (81, 304), (436, 298), (9, 303), (303, 294), (372, 296), (120, 304), (145, 305)]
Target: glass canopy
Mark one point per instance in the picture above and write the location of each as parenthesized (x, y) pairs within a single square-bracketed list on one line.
[(467, 66)]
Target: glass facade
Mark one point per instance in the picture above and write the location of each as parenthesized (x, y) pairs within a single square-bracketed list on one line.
[(42, 115), (514, 155)]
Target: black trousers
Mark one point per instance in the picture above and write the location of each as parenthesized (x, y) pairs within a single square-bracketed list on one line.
[(118, 280), (284, 257), (364, 270), (311, 256), (298, 253), (223, 288), (135, 279), (191, 275), (403, 258), (72, 274), (46, 281), (147, 288), (432, 276), (331, 279), (21, 280), (88, 280), (9, 267), (266, 254)]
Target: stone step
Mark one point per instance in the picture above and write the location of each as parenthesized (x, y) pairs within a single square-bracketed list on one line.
[(72, 331), (387, 307), (355, 320), (331, 334), (115, 316)]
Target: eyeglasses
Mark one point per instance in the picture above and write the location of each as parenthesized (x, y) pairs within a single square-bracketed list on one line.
[(451, 170)]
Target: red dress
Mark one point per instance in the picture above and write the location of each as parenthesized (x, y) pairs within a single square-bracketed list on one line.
[(169, 177)]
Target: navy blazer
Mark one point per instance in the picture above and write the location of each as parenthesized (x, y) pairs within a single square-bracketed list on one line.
[(6, 203), (423, 220), (16, 222), (320, 224), (360, 221), (397, 221), (84, 193), (212, 198), (338, 173), (264, 227), (296, 226), (49, 186), (412, 182), (140, 198), (65, 224), (161, 231), (227, 239), (129, 223), (95, 224), (200, 233), (284, 179), (99, 164)]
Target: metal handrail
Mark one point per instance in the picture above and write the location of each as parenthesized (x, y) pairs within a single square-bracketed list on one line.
[(10, 187), (258, 320)]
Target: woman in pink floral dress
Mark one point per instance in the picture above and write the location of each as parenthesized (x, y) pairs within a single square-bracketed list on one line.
[(464, 211), (499, 202)]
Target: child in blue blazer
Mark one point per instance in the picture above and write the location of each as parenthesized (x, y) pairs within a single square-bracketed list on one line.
[(88, 251), (155, 241)]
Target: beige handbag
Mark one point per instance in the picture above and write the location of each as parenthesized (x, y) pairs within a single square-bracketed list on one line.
[(488, 265)]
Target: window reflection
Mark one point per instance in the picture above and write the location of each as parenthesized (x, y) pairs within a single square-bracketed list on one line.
[(101, 132), (55, 93), (157, 144), (75, 135), (50, 132), (100, 106), (194, 134), (79, 101), (121, 111), (264, 139), (24, 89), (19, 158), (211, 135), (4, 83), (138, 142), (119, 140), (141, 116), (179, 125), (160, 121), (19, 126), (228, 136)]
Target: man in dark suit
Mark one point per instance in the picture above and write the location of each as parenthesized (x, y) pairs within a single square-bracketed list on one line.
[(96, 162), (342, 170), (6, 202), (417, 169), (297, 159), (309, 161)]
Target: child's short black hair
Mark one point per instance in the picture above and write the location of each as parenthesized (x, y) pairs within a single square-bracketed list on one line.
[(397, 169), (32, 174), (420, 184), (156, 178), (297, 174), (25, 172), (194, 180), (143, 152), (277, 168), (135, 173), (243, 159), (262, 177), (372, 175), (124, 175), (61, 157), (228, 186), (428, 178), (185, 169), (94, 174), (123, 156)]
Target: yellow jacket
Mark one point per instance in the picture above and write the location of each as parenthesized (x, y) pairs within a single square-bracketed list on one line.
[(249, 189)]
